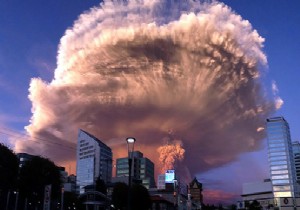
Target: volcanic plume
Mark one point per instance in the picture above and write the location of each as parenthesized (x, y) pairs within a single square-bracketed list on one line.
[(169, 155), (140, 68)]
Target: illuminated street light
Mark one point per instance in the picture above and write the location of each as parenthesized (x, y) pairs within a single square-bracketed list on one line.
[(130, 146)]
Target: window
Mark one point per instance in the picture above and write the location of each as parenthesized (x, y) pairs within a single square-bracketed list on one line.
[(283, 162), (286, 176), (276, 145), (279, 172), (277, 158), (278, 167), (123, 171), (280, 182), (281, 188), (282, 194), (277, 154), (276, 149)]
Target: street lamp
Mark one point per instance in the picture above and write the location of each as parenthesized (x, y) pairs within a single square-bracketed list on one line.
[(62, 198), (176, 194), (17, 196), (130, 146)]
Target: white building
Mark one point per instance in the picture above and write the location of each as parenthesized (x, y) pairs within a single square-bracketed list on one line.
[(257, 190)]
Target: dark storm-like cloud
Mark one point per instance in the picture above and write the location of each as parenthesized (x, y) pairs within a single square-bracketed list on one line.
[(144, 68)]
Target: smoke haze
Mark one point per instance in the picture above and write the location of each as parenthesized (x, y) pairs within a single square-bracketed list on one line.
[(141, 69)]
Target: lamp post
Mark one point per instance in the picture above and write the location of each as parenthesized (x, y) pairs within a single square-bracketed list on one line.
[(7, 200), (62, 198), (17, 197), (130, 146), (176, 194)]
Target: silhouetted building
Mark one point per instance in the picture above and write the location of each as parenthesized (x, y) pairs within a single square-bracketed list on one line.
[(94, 159), (160, 203), (68, 182), (195, 190), (143, 170), (70, 185), (63, 174)]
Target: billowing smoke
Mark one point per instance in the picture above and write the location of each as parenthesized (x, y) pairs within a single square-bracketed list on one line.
[(170, 155), (140, 68)]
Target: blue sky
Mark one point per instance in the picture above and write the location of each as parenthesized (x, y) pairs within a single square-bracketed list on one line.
[(31, 30), (29, 37)]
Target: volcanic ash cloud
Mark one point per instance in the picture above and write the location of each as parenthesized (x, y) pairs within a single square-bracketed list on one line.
[(170, 155), (141, 69)]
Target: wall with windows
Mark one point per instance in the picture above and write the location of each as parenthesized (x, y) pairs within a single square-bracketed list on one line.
[(94, 159), (282, 170), (296, 153), (143, 169)]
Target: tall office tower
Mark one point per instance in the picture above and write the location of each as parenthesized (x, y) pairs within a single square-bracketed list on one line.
[(143, 169), (296, 152), (94, 159), (282, 167)]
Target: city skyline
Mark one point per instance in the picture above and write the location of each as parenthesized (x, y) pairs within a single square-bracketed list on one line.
[(31, 34)]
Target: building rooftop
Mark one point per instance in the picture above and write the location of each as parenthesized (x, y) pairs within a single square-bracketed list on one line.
[(96, 139)]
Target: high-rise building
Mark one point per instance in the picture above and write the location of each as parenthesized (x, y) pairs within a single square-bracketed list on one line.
[(94, 159), (282, 167), (143, 169), (296, 152)]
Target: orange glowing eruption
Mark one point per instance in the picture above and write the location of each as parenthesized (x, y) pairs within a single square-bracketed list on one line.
[(170, 154)]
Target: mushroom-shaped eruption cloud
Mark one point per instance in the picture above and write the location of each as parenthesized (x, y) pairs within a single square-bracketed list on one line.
[(141, 68)]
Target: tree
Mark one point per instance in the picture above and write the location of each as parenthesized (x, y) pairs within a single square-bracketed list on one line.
[(140, 198), (9, 165), (35, 175), (233, 207), (255, 205), (120, 196), (101, 186), (71, 200)]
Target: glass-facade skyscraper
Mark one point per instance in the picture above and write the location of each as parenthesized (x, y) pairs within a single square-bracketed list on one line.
[(143, 169), (282, 167), (296, 152), (94, 159)]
